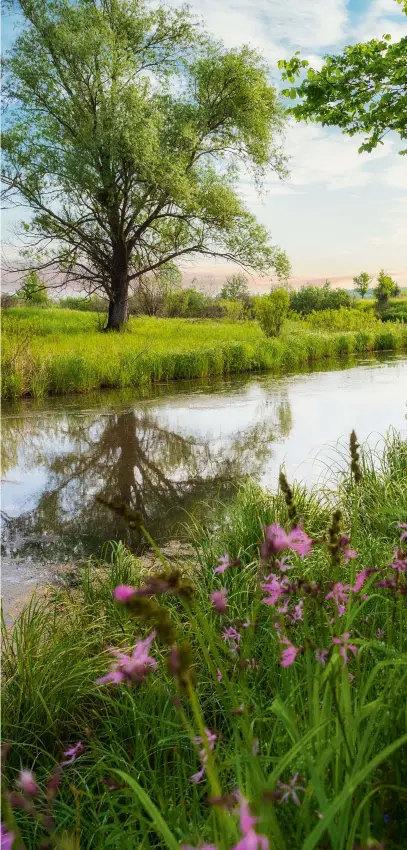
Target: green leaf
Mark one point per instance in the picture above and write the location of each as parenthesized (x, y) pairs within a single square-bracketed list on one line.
[(157, 820)]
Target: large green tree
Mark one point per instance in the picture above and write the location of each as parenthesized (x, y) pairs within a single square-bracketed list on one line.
[(362, 90), (125, 132)]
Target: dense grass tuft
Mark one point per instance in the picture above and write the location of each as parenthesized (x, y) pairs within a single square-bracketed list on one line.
[(342, 728)]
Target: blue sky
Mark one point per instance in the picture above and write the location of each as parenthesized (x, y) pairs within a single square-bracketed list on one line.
[(339, 211)]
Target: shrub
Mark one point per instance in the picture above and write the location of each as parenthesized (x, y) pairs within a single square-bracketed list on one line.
[(395, 314), (33, 290), (385, 289), (344, 319), (311, 298), (94, 304), (233, 310), (271, 310)]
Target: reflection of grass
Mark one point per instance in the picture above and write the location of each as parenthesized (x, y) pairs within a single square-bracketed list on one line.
[(65, 353), (342, 728)]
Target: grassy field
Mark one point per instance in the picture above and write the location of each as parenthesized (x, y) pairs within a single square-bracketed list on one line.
[(306, 707), (54, 351)]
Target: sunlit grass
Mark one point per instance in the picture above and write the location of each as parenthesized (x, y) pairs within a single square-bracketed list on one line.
[(61, 351)]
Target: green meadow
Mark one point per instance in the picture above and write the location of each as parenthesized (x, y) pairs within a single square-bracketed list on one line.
[(57, 351)]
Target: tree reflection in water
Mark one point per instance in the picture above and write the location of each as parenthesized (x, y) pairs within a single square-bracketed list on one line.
[(131, 455)]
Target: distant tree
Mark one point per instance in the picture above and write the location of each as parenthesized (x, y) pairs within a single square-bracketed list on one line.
[(385, 289), (155, 287), (236, 287), (124, 121), (362, 90), (33, 290), (271, 311), (362, 282)]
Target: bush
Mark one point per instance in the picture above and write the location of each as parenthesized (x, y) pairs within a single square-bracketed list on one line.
[(395, 314), (385, 289), (311, 298), (33, 290), (232, 310), (94, 304), (344, 319), (271, 310)]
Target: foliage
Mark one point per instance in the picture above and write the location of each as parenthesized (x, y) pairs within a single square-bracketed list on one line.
[(394, 313), (68, 354), (362, 90), (385, 289), (93, 304), (236, 287), (271, 311), (33, 290), (362, 282), (310, 298), (137, 130), (343, 319), (304, 701)]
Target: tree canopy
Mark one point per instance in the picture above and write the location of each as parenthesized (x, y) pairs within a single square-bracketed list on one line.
[(126, 127), (362, 90)]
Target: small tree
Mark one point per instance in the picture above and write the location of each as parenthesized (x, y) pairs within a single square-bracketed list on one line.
[(33, 290), (385, 289), (271, 311), (236, 287), (362, 282)]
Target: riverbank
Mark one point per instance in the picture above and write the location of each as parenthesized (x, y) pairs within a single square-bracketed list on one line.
[(55, 352), (304, 696)]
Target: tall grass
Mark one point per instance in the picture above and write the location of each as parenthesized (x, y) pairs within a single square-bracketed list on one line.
[(62, 354), (340, 727)]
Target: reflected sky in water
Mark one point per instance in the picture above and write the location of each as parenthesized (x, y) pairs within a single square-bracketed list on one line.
[(167, 452)]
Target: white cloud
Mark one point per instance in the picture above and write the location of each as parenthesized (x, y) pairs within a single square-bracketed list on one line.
[(396, 172)]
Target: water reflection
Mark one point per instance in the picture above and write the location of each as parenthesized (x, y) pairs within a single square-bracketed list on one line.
[(134, 455)]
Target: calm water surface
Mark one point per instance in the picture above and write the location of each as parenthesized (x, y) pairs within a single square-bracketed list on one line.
[(167, 452)]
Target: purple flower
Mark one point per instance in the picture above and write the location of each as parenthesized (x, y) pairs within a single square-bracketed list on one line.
[(250, 840), (219, 675), (7, 838), (219, 599), (299, 541), (403, 526), (131, 668), (399, 562), (361, 578), (275, 540), (321, 656), (73, 753), (224, 563), (281, 564), (297, 613), (344, 541), (210, 739), (275, 587), (289, 654), (340, 595), (291, 789), (124, 592), (380, 633), (234, 636), (28, 784), (343, 643)]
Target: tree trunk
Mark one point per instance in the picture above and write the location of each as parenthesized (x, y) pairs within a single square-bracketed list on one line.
[(118, 304)]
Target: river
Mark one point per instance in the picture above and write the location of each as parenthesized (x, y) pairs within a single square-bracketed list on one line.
[(173, 448)]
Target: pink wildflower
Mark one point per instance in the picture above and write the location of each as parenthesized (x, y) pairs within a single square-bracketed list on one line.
[(275, 540), (403, 526), (210, 739), (399, 562), (321, 656), (380, 633), (340, 595), (28, 784), (291, 789), (275, 587), (219, 675), (361, 578), (281, 564), (131, 668), (344, 541), (289, 654), (233, 636), (7, 838), (201, 847), (73, 753), (250, 840), (219, 599), (299, 541), (297, 613), (224, 563), (124, 592), (343, 643)]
